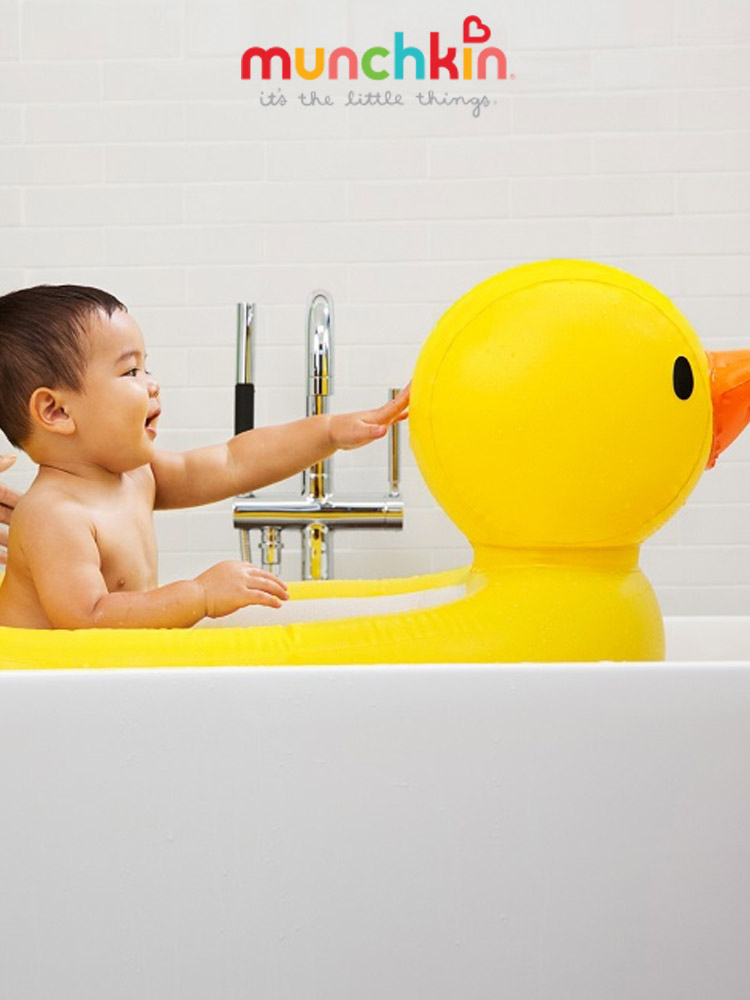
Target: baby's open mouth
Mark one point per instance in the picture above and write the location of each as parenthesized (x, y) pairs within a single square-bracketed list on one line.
[(152, 419)]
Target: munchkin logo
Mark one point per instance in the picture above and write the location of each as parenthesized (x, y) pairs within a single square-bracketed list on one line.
[(379, 63)]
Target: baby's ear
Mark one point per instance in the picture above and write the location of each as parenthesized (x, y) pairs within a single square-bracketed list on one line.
[(48, 412)]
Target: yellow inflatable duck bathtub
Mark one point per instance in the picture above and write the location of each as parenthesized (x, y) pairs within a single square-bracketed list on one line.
[(561, 412)]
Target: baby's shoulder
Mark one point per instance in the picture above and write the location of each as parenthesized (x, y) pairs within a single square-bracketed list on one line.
[(45, 500)]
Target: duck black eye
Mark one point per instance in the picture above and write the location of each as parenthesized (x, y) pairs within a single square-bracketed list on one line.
[(682, 378)]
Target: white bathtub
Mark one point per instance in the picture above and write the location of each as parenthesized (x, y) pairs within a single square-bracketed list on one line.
[(562, 832)]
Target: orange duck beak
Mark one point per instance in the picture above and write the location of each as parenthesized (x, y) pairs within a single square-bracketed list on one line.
[(730, 394)]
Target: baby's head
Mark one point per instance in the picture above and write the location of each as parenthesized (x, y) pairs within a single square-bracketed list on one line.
[(65, 351)]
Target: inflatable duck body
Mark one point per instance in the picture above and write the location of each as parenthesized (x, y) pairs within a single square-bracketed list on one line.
[(561, 412)]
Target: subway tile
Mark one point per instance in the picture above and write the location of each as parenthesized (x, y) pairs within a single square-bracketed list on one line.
[(426, 113), (33, 82), (98, 205), (184, 162), (434, 282), (89, 30), (168, 364), (174, 325), (211, 366), (183, 245), (590, 24), (726, 22), (727, 482), (719, 109), (678, 235), (706, 524), (712, 275), (713, 192), (373, 563), (433, 199), (661, 272), (269, 202), (672, 152), (553, 72), (592, 113), (212, 530), (145, 121), (703, 565), (345, 242), (346, 160), (50, 247), (11, 124), (451, 558), (518, 240), (386, 323), (134, 286), (198, 408), (217, 120), (268, 284), (11, 278), (172, 530), (53, 164), (511, 156), (177, 79), (592, 196), (695, 600), (372, 367), (11, 211), (215, 28), (671, 67), (720, 322), (10, 37)]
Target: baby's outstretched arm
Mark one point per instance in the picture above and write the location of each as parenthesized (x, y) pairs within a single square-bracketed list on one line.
[(64, 561), (266, 455)]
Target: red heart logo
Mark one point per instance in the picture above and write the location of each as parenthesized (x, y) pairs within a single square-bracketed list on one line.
[(483, 30)]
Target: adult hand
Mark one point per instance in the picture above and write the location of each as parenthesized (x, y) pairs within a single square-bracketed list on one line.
[(8, 500)]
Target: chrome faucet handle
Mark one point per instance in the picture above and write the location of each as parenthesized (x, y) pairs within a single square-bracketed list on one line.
[(394, 455)]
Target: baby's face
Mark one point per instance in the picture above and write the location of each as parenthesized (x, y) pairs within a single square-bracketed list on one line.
[(117, 411)]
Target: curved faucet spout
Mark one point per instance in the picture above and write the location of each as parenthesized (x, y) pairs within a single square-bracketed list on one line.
[(319, 351), (316, 481)]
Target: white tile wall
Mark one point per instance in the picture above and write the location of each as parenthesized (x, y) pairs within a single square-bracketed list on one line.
[(133, 157)]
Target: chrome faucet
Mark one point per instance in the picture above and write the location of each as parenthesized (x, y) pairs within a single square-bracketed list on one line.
[(316, 512)]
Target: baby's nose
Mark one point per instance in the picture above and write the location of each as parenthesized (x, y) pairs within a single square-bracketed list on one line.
[(153, 386)]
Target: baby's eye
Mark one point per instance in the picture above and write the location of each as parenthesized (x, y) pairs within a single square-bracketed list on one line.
[(132, 372)]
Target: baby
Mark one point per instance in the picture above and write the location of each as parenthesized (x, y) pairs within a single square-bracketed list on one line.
[(76, 396)]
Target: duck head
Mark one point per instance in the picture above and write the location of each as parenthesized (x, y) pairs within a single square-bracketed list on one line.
[(567, 403)]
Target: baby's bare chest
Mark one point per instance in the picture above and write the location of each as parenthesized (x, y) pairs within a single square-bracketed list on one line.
[(127, 545)]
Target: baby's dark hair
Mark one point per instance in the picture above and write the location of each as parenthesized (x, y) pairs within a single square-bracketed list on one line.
[(43, 343)]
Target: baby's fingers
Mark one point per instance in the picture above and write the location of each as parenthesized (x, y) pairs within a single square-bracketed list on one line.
[(261, 582), (261, 597)]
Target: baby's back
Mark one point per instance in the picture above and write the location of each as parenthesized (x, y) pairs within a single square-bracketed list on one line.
[(68, 534)]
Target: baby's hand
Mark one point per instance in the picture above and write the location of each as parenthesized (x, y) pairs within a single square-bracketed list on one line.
[(232, 584), (352, 430)]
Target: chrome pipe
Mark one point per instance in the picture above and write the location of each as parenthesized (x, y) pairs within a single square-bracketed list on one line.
[(394, 454), (245, 343), (317, 555), (244, 390), (270, 549), (299, 512)]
